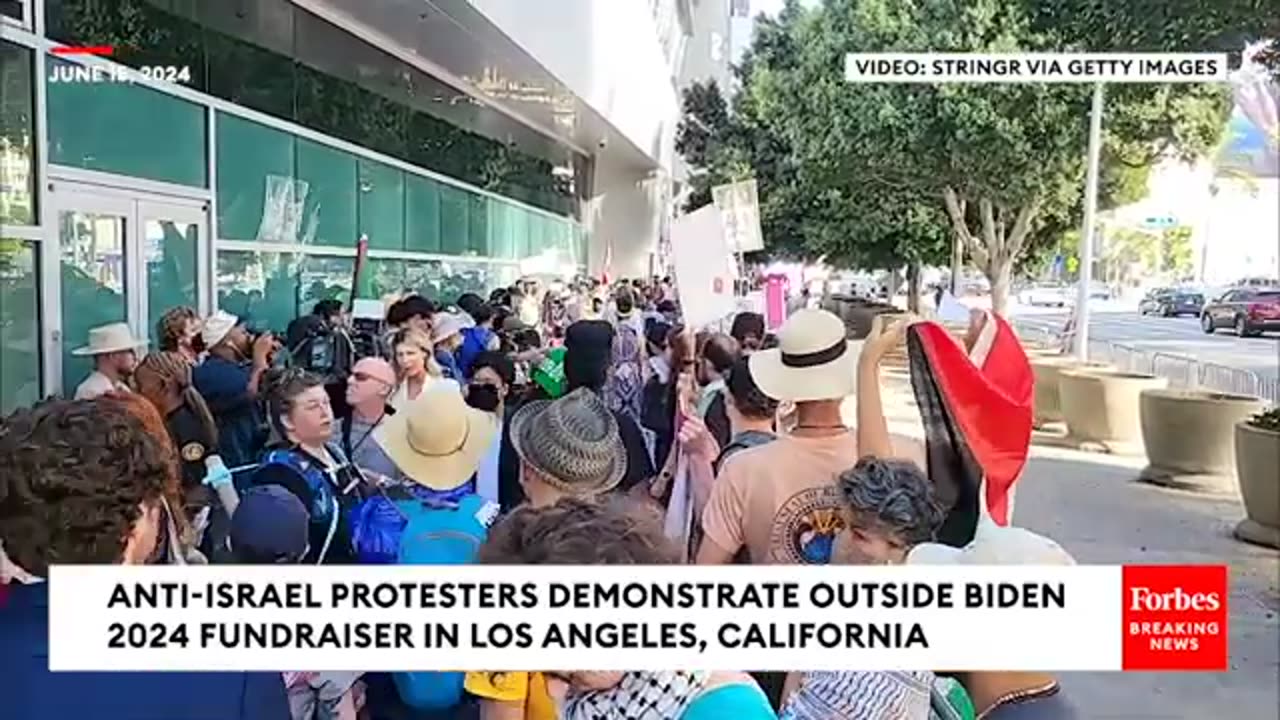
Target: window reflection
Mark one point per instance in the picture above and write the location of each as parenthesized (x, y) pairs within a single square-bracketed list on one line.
[(170, 254), (261, 288), (17, 130), (93, 283), (19, 325)]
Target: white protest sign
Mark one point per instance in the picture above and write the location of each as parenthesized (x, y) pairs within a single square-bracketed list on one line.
[(704, 267), (739, 206)]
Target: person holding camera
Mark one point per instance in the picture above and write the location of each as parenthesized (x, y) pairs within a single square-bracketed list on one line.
[(229, 380), (319, 343)]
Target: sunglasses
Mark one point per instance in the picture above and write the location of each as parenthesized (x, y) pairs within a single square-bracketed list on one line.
[(366, 377)]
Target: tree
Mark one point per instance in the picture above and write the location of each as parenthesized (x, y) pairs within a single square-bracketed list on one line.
[(1003, 164)]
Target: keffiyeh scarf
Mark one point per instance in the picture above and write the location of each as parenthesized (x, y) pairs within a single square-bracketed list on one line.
[(639, 696)]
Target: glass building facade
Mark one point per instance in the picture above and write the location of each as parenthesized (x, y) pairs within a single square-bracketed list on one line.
[(246, 185)]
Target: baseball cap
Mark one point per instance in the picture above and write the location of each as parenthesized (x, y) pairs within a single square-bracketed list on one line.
[(270, 526)]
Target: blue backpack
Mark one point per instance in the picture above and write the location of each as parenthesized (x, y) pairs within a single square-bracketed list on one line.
[(378, 523), (436, 534), (326, 507)]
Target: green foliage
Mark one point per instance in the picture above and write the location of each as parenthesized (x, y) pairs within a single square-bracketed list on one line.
[(1267, 420), (1176, 250), (881, 174)]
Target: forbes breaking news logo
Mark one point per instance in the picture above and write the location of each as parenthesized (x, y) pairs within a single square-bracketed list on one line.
[(1175, 617)]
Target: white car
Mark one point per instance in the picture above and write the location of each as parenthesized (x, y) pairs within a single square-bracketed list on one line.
[(1044, 295)]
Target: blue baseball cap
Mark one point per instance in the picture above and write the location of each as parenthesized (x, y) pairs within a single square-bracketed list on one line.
[(269, 526)]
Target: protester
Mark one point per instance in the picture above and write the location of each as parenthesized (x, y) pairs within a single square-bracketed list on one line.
[(179, 331), (476, 339), (577, 531), (229, 379), (624, 388), (114, 350), (369, 391), (446, 337), (889, 509), (164, 379), (308, 465), (589, 352), (749, 330), (412, 312), (438, 441), (415, 365), (859, 695), (99, 499), (320, 344), (570, 446), (493, 375), (718, 354), (1006, 695), (781, 500)]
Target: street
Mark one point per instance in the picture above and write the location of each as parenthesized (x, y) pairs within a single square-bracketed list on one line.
[(1120, 323), (1095, 508)]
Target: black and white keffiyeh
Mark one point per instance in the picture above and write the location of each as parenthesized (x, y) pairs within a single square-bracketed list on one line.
[(639, 696)]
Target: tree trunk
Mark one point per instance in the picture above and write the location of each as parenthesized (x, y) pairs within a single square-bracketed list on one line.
[(1000, 274), (913, 287)]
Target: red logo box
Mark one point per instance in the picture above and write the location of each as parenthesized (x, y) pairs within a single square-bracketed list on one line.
[(1175, 617)]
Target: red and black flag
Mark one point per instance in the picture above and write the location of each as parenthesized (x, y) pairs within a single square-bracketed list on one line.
[(975, 403)]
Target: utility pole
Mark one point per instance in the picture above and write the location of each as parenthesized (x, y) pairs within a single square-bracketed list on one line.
[(1086, 234)]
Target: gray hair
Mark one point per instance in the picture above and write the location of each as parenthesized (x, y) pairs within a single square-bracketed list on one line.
[(896, 494)]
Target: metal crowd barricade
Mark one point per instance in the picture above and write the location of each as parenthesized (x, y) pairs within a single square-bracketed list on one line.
[(1235, 381), (1179, 369)]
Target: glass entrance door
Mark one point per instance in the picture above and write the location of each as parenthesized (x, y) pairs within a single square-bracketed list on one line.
[(121, 258)]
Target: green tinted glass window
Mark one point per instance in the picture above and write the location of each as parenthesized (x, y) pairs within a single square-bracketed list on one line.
[(324, 278), (255, 181), (259, 287), (455, 215), (122, 128), (422, 214), (17, 133), (382, 205), (93, 278), (170, 252), (327, 181), (19, 325), (384, 276), (478, 227)]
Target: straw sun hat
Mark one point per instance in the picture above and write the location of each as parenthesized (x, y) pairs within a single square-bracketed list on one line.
[(437, 440), (813, 360), (107, 339), (573, 442)]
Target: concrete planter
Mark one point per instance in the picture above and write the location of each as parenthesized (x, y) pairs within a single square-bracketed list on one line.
[(1189, 436), (1100, 408), (1257, 459), (1047, 370)]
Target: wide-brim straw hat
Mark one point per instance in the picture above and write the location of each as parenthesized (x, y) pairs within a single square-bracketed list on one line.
[(573, 442), (445, 325), (437, 440), (217, 326), (813, 360), (116, 337)]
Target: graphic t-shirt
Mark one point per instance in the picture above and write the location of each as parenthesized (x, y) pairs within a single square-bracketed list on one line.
[(781, 500), (527, 688)]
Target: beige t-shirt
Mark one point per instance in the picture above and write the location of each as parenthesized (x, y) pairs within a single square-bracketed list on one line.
[(781, 500)]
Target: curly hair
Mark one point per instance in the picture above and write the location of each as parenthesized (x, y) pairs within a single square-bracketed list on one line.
[(174, 369), (76, 476), (893, 497), (281, 388), (173, 325), (576, 531)]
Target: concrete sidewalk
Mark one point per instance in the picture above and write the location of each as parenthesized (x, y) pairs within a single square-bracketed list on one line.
[(1095, 508)]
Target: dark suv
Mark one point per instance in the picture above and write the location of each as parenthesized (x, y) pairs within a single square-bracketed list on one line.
[(1247, 310), (1172, 303)]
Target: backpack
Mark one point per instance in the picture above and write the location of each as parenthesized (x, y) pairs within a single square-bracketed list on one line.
[(440, 534), (742, 441), (378, 523), (326, 507)]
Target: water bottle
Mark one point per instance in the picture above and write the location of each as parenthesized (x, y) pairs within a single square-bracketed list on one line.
[(218, 476)]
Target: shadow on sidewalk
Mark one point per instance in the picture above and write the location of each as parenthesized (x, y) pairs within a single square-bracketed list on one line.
[(1094, 506)]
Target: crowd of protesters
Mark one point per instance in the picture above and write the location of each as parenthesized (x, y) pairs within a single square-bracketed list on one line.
[(559, 423)]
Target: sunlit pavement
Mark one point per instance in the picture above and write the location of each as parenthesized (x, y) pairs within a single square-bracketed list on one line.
[(1092, 505)]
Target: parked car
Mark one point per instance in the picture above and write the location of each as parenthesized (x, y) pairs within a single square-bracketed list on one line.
[(1049, 295), (1247, 310), (1171, 302)]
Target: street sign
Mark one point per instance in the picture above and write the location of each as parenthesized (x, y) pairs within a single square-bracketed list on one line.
[(1159, 222)]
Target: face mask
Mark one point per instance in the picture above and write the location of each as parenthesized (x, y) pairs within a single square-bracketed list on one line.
[(482, 396)]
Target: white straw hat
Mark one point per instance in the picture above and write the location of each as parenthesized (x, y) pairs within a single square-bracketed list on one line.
[(105, 339), (217, 326), (813, 360), (437, 440), (444, 325)]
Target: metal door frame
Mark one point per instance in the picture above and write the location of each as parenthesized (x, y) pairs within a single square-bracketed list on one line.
[(134, 206)]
